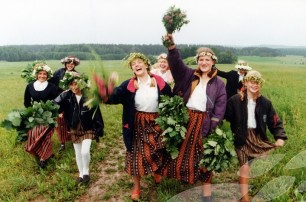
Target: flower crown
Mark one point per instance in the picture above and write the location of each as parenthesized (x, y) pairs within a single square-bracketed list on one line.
[(133, 56), (214, 57), (42, 67), (81, 80), (254, 76), (27, 73)]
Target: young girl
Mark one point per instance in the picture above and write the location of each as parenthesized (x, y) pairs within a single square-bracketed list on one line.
[(249, 114), (69, 62), (84, 124), (140, 97)]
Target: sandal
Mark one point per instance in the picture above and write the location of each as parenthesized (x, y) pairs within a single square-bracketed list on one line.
[(157, 178), (135, 196)]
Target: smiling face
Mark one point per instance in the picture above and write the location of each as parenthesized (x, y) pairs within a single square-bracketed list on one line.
[(69, 66), (205, 63), (139, 67), (42, 76), (252, 87), (163, 64), (75, 88)]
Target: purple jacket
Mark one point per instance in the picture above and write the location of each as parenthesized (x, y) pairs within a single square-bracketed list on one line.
[(186, 79)]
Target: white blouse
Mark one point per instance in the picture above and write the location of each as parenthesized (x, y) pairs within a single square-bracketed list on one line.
[(251, 113), (40, 86), (198, 98), (146, 98)]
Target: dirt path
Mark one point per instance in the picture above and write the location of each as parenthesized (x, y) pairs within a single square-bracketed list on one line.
[(111, 172)]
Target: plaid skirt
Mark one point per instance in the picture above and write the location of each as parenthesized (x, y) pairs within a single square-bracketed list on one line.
[(147, 153), (186, 166), (62, 130), (254, 147), (39, 142)]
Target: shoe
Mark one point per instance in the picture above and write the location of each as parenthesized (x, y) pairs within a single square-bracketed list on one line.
[(62, 148), (42, 164), (206, 199), (86, 179), (79, 180), (157, 178), (135, 196)]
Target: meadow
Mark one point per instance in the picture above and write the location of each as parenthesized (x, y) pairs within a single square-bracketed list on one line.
[(279, 178)]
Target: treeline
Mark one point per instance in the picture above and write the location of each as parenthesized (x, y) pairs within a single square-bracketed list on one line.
[(226, 55)]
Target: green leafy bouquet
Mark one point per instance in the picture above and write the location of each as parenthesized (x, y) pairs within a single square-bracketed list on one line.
[(219, 151), (173, 117), (27, 72), (173, 20), (22, 120)]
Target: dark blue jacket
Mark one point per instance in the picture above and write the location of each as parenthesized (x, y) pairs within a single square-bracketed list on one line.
[(74, 113), (265, 115), (125, 95), (232, 82)]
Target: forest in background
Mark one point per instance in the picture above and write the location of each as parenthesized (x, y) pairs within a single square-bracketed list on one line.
[(226, 55)]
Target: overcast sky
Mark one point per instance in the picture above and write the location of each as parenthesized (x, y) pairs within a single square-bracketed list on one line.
[(215, 22)]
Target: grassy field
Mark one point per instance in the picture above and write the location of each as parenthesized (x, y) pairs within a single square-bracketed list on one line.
[(280, 178)]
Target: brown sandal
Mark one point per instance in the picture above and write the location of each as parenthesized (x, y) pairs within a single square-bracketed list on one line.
[(135, 196)]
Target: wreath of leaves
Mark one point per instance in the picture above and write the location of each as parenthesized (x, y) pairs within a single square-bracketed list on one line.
[(173, 117)]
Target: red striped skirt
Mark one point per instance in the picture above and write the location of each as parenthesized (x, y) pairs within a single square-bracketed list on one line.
[(186, 166), (146, 155), (62, 130), (254, 147), (39, 142)]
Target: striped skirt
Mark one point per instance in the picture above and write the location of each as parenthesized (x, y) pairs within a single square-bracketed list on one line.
[(147, 153), (62, 130), (186, 166), (78, 135), (39, 142), (254, 147)]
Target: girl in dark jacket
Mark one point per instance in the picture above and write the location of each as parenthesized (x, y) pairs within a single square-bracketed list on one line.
[(70, 62), (39, 138), (249, 114), (84, 124), (205, 96), (140, 97)]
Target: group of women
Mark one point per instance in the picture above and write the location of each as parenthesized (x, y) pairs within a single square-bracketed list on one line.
[(205, 96)]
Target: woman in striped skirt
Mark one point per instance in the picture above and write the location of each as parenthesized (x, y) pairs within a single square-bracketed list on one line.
[(140, 97), (205, 96), (39, 138), (249, 114)]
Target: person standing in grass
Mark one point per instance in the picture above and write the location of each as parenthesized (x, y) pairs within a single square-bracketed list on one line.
[(205, 97), (70, 62), (140, 97), (249, 114), (234, 78), (84, 124), (39, 138)]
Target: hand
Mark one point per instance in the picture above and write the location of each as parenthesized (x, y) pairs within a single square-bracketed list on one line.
[(213, 126), (168, 41), (279, 143), (113, 78)]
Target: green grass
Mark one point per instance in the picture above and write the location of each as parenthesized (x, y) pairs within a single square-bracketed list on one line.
[(22, 180)]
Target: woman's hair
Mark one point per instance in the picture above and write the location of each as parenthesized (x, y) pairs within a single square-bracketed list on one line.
[(162, 56), (70, 59)]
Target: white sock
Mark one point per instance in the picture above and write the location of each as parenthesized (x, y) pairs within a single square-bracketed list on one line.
[(82, 155)]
